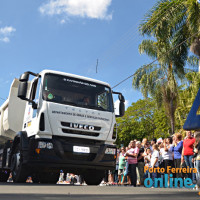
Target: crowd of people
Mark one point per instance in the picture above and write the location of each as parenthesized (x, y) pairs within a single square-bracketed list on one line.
[(71, 179), (171, 152)]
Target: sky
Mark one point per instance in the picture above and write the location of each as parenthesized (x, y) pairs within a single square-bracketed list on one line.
[(70, 36)]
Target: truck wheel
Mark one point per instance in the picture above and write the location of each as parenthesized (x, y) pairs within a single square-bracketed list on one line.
[(4, 175), (94, 177), (35, 178), (19, 171)]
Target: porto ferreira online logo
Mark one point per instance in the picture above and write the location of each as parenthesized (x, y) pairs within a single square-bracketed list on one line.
[(172, 182)]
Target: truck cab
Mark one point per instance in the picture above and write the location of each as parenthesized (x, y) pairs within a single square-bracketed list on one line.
[(68, 123)]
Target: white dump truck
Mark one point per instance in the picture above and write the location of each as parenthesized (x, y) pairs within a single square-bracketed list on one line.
[(55, 120)]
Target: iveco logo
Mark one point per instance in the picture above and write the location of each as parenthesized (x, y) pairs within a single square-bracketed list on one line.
[(82, 126)]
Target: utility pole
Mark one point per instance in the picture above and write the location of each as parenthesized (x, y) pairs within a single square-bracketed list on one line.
[(97, 65)]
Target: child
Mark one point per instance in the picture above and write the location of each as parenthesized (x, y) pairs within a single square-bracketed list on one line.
[(147, 160)]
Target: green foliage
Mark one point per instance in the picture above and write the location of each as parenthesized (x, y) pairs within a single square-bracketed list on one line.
[(169, 23), (142, 119), (187, 94), (179, 19), (161, 123), (159, 81)]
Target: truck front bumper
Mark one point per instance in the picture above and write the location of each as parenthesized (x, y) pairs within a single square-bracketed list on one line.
[(63, 156)]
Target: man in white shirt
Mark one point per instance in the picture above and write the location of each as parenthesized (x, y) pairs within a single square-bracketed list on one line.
[(154, 161)]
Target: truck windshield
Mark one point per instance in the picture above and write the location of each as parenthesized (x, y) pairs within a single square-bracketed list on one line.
[(77, 92)]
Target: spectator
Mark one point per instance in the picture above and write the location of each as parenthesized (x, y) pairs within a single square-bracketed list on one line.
[(159, 141), (73, 179), (177, 149), (197, 155), (122, 164), (148, 146), (147, 161), (154, 161), (61, 177), (153, 141), (10, 178), (160, 159), (144, 142), (167, 154), (126, 168), (140, 159), (111, 177), (29, 180), (116, 168), (187, 153), (132, 154)]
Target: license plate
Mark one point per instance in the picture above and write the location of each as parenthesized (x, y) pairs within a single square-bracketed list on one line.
[(79, 149), (110, 151)]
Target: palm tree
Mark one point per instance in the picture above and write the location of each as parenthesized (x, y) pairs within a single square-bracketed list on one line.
[(171, 22), (174, 17), (159, 80)]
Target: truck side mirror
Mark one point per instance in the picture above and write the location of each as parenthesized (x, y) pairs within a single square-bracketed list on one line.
[(121, 98), (121, 109), (121, 105), (23, 86), (24, 77), (22, 90)]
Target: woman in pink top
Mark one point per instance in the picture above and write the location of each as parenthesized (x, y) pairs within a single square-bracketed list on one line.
[(132, 154)]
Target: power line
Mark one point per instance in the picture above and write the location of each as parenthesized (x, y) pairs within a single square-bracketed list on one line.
[(127, 37), (131, 35), (158, 58)]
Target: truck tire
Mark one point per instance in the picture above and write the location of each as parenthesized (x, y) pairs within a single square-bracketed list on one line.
[(4, 175), (19, 171), (35, 178), (94, 177)]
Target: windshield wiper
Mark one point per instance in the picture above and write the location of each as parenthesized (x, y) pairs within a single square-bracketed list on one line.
[(96, 107), (85, 106), (70, 103), (101, 108)]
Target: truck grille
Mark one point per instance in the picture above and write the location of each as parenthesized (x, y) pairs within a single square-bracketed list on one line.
[(67, 124), (87, 157), (88, 133)]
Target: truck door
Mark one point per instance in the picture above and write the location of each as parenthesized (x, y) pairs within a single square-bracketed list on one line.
[(32, 113)]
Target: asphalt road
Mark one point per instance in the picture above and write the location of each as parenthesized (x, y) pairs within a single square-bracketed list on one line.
[(13, 191)]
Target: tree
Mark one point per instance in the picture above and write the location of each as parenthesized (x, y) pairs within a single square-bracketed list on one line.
[(142, 119), (159, 81), (177, 18), (187, 94), (170, 23)]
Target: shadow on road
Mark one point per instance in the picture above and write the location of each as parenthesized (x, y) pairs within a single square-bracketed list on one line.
[(177, 196)]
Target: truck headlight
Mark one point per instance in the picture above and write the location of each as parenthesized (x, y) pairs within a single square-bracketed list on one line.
[(42, 145), (49, 145), (111, 151), (45, 145)]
